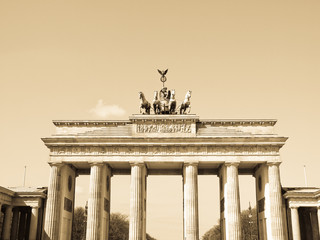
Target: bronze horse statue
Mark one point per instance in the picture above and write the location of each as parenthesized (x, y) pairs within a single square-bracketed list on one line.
[(186, 103), (156, 103), (144, 104), (172, 102)]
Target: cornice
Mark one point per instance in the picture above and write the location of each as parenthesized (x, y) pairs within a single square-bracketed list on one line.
[(239, 122), (86, 123), (163, 118), (164, 150), (30, 195), (166, 118), (85, 140), (6, 191), (301, 195)]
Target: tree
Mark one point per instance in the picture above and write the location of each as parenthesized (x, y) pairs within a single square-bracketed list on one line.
[(118, 229), (213, 233), (248, 225), (79, 224)]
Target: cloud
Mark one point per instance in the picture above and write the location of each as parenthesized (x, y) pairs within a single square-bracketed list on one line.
[(103, 110)]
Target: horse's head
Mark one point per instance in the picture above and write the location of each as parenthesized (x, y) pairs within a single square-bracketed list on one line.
[(155, 96), (173, 94), (188, 95), (141, 95)]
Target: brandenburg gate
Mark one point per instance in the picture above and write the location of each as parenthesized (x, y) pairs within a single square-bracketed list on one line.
[(164, 143)]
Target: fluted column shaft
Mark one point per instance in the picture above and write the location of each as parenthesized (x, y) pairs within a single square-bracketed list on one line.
[(276, 217), (295, 223), (232, 203), (52, 219), (22, 224), (7, 223), (319, 218), (136, 227), (15, 222), (33, 223), (94, 203), (190, 201)]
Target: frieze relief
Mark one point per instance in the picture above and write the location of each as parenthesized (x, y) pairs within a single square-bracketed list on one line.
[(165, 150), (164, 128)]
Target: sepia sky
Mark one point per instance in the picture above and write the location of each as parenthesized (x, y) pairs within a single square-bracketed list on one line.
[(70, 60)]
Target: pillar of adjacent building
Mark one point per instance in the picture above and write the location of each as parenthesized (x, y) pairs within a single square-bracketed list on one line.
[(22, 224), (7, 223), (52, 219), (137, 227), (275, 199), (295, 223), (15, 224), (232, 202), (33, 223), (94, 202), (190, 201), (319, 219)]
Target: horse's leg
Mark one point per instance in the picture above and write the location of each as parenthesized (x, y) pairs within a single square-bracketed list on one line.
[(148, 107)]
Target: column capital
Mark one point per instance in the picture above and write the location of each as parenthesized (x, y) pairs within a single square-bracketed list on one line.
[(15, 209), (236, 164), (137, 163), (56, 164), (9, 207), (273, 163), (96, 163), (294, 207), (191, 163)]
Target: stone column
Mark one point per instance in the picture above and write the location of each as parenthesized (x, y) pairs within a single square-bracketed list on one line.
[(15, 222), (52, 219), (319, 219), (295, 223), (22, 224), (137, 202), (33, 223), (232, 202), (94, 202), (190, 201), (275, 198), (7, 223)]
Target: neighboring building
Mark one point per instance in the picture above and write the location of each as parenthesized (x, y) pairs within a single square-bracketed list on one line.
[(303, 212), (22, 211)]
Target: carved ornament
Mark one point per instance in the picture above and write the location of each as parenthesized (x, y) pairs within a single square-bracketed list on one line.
[(164, 150), (164, 128)]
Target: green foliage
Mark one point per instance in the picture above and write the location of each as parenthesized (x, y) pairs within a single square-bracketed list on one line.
[(248, 224), (118, 230)]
